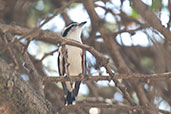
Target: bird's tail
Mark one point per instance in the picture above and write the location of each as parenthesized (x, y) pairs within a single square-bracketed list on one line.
[(70, 98), (71, 92)]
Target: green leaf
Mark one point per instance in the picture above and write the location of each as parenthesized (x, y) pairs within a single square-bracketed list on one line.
[(134, 15)]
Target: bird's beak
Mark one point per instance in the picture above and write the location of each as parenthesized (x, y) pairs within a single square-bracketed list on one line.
[(82, 23)]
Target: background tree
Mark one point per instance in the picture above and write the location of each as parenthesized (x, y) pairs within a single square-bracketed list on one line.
[(132, 79)]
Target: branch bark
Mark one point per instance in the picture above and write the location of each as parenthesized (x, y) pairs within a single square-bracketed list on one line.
[(161, 76), (108, 106), (21, 96), (55, 37)]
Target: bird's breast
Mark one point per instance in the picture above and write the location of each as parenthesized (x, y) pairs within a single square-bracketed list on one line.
[(74, 60)]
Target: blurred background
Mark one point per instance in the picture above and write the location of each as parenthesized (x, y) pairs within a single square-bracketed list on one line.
[(128, 40)]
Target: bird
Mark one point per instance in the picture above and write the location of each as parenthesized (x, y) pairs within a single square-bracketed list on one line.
[(71, 61)]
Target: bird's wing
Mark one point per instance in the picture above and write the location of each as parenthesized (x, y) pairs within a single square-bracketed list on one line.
[(61, 68), (84, 62)]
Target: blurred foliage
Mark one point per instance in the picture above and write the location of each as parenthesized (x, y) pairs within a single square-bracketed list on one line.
[(110, 26), (39, 9), (156, 5), (134, 95), (134, 14), (147, 62)]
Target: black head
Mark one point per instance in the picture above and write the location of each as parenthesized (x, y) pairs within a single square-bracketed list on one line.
[(72, 26), (68, 28)]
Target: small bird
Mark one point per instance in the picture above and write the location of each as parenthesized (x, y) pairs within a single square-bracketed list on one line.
[(71, 61)]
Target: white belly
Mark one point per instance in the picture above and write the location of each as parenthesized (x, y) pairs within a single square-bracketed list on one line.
[(74, 60)]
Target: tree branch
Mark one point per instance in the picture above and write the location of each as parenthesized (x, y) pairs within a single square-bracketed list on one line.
[(108, 78), (55, 37), (108, 106)]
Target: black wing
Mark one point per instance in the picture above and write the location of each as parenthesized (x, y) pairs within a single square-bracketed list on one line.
[(61, 70)]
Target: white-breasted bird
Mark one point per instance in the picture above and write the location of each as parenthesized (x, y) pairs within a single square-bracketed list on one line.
[(75, 60)]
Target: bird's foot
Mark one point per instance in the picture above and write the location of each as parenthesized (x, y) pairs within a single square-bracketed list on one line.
[(85, 77)]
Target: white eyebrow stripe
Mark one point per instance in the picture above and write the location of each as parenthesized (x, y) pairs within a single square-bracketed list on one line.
[(68, 28), (71, 24)]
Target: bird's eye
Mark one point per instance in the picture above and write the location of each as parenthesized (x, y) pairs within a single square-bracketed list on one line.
[(67, 30)]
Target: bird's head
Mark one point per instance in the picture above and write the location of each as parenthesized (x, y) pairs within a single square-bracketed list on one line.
[(74, 29)]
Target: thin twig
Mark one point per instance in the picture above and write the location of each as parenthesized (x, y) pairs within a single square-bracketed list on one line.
[(26, 46), (164, 111), (47, 54)]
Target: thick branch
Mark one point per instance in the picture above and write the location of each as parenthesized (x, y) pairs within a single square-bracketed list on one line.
[(20, 94), (55, 37)]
